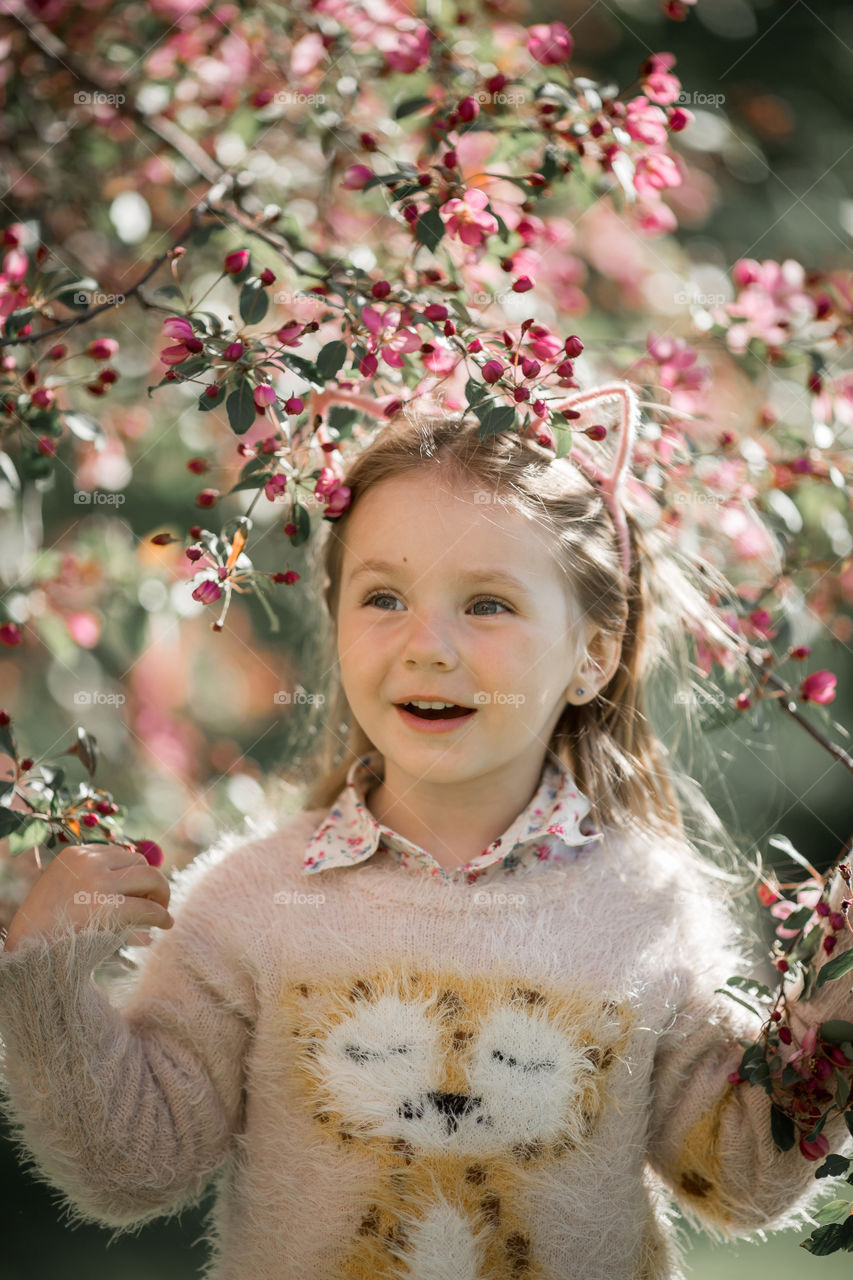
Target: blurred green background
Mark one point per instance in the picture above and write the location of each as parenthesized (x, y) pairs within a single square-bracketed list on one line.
[(786, 70)]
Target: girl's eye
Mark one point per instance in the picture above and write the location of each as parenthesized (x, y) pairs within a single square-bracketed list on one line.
[(387, 595)]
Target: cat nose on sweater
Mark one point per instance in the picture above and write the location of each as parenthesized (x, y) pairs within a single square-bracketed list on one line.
[(452, 1106)]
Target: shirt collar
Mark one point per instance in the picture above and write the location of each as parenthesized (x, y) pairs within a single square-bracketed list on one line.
[(350, 834)]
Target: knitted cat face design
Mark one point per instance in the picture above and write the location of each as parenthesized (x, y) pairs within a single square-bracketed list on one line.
[(457, 1085)]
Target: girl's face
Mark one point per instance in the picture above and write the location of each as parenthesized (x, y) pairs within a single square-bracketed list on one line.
[(438, 621)]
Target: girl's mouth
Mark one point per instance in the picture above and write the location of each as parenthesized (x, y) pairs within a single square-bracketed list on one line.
[(434, 720)]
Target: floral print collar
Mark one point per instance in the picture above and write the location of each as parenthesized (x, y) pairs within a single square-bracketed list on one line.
[(555, 820)]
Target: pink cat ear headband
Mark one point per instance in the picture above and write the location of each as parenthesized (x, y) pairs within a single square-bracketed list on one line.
[(609, 481), (575, 406)]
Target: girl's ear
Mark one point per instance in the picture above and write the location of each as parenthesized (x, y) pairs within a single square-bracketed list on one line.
[(601, 659)]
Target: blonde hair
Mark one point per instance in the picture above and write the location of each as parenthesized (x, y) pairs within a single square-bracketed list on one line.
[(608, 743)]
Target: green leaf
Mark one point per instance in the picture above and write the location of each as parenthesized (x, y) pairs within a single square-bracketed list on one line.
[(833, 1211), (86, 750), (430, 229), (302, 519), (7, 742), (836, 1031), (73, 295), (240, 406), (824, 1241), (331, 359), (255, 465), (503, 229), (252, 482), (305, 368), (836, 968), (752, 988), (782, 1129), (411, 105), (32, 831), (799, 919), (724, 991), (168, 291), (17, 320), (848, 1120), (834, 1166), (499, 417), (10, 820), (254, 302)]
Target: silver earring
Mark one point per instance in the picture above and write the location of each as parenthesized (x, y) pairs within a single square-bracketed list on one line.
[(580, 691)]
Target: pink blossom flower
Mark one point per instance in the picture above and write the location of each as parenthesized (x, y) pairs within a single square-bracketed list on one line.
[(819, 687), (306, 54), (550, 44), (773, 301), (102, 348), (237, 261), (390, 336), (356, 176), (15, 265), (645, 122), (678, 371), (233, 351), (655, 170), (207, 592), (264, 395), (662, 87), (411, 51), (178, 327), (336, 494), (175, 355), (275, 486), (9, 634), (815, 1150), (653, 217), (466, 218), (288, 334)]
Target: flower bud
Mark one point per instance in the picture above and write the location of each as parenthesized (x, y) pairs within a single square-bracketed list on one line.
[(236, 262), (492, 370)]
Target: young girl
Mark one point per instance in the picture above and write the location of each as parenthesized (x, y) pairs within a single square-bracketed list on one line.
[(456, 1020)]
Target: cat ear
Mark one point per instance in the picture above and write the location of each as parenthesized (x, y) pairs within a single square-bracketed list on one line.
[(608, 475), (616, 401)]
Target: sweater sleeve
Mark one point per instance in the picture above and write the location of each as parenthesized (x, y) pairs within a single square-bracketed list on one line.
[(710, 1140), (128, 1107)]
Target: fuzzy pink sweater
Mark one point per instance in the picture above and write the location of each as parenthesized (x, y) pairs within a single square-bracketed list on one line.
[(390, 1073)]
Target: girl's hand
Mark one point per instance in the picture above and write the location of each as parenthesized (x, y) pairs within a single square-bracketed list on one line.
[(103, 885)]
